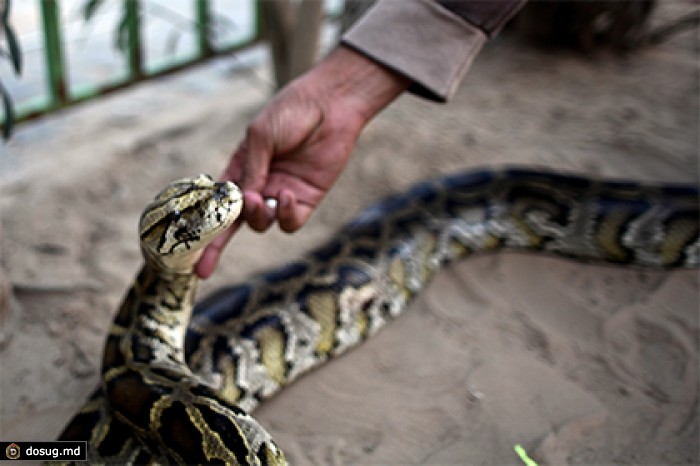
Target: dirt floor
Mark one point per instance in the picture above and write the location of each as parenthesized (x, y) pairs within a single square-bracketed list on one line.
[(580, 364)]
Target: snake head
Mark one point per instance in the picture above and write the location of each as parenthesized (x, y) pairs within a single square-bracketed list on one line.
[(185, 217)]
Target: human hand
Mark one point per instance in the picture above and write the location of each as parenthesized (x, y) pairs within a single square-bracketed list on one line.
[(298, 145)]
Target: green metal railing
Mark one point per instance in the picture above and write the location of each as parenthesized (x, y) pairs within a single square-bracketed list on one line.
[(61, 95)]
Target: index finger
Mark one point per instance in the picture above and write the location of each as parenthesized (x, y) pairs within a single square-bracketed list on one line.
[(234, 169)]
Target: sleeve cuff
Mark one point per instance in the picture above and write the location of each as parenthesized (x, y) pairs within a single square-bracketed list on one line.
[(420, 40)]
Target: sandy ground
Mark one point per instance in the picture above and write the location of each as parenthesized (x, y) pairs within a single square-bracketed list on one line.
[(581, 364)]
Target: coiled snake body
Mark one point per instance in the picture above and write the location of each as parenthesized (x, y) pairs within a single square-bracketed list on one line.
[(179, 391)]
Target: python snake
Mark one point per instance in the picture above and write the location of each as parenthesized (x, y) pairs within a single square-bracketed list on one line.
[(179, 390)]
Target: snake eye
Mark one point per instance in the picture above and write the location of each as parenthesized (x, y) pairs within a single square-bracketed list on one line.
[(174, 215)]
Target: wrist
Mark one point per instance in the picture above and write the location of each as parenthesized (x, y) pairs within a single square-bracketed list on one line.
[(359, 82)]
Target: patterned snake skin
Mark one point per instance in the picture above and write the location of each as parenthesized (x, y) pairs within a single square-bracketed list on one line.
[(179, 390)]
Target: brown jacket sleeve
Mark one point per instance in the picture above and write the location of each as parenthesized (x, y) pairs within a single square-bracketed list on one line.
[(432, 43)]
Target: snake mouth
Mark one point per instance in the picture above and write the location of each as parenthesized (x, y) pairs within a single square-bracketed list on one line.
[(229, 197)]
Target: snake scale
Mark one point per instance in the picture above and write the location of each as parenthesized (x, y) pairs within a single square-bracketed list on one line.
[(178, 386)]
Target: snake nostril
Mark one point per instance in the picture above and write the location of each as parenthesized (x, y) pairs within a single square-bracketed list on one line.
[(174, 215), (221, 189)]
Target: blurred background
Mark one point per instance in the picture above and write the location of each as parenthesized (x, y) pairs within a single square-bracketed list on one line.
[(73, 50)]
